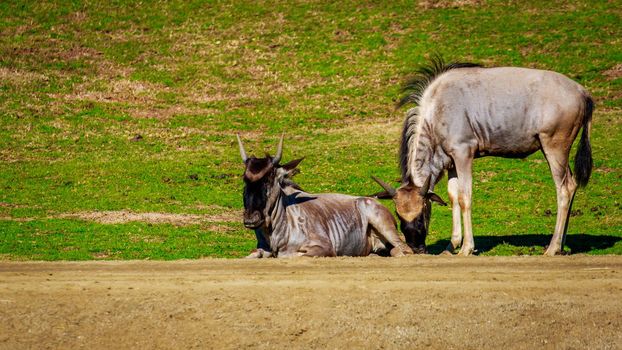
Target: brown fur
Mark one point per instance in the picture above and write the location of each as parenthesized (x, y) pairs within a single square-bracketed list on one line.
[(408, 202)]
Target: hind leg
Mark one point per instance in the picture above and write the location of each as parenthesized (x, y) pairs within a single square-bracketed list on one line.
[(384, 224), (316, 249), (463, 159), (566, 187)]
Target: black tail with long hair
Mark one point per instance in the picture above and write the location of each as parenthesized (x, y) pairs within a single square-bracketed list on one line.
[(583, 158)]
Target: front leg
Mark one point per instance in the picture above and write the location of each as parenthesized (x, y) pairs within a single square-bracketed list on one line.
[(456, 229), (263, 246), (263, 243)]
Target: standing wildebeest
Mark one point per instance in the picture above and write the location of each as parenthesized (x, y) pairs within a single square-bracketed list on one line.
[(297, 223), (466, 111)]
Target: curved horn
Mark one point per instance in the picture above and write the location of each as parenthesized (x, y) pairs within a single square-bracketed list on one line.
[(390, 190), (426, 187), (242, 151), (279, 152)]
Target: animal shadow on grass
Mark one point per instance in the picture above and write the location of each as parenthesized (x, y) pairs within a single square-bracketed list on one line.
[(575, 243)]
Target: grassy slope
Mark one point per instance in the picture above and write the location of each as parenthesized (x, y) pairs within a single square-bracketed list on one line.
[(79, 80)]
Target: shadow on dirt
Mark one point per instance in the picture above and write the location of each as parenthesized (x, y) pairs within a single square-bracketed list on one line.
[(575, 243)]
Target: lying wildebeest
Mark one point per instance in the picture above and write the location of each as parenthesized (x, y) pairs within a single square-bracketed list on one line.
[(297, 223), (466, 111)]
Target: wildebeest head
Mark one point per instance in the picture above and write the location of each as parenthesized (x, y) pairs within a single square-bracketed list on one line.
[(413, 208), (262, 177)]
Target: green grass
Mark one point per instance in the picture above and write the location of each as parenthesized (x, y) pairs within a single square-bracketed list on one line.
[(55, 239), (78, 80)]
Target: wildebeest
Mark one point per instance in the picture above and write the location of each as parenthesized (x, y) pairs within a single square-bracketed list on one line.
[(297, 223), (465, 111)]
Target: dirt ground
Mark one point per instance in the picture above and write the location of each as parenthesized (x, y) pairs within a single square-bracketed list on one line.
[(412, 302)]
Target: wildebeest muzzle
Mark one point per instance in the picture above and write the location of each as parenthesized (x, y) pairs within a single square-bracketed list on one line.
[(415, 233), (253, 219)]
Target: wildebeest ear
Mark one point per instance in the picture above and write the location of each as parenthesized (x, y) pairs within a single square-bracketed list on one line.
[(382, 195), (291, 165), (435, 198)]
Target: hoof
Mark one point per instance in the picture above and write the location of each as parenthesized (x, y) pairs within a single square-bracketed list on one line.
[(451, 247), (465, 252), (258, 254), (407, 249), (554, 253), (447, 253), (397, 252)]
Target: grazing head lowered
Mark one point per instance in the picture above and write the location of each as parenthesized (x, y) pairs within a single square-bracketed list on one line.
[(261, 177), (413, 208), (464, 111)]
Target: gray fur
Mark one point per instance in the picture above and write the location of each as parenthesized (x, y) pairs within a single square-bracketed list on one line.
[(470, 112), (303, 224)]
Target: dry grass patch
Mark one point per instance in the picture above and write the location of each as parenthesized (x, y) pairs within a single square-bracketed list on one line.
[(164, 113), (443, 4), (18, 77), (125, 216), (614, 72), (10, 218), (119, 91), (11, 205), (107, 70), (366, 131)]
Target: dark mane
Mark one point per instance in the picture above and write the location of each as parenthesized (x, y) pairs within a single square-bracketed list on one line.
[(410, 123), (413, 90), (290, 183), (425, 74)]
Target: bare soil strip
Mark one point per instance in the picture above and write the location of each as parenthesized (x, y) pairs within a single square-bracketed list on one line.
[(412, 302)]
